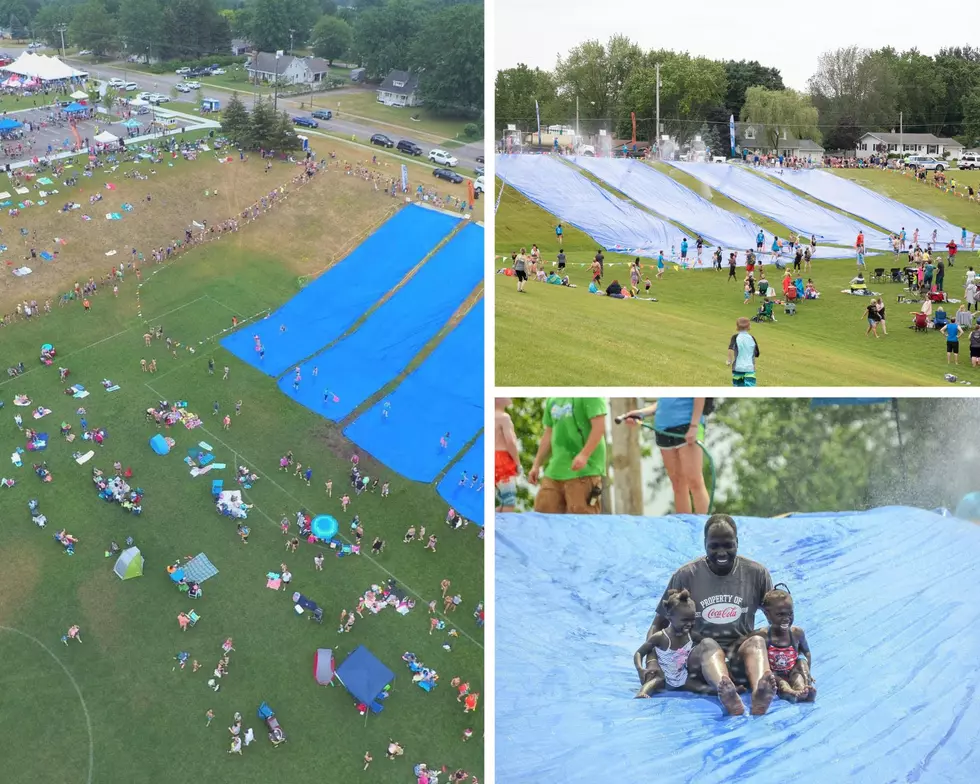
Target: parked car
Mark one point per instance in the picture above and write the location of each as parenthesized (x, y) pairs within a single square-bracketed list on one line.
[(448, 174), (442, 157), (116, 82), (480, 171), (183, 88), (130, 86), (84, 52), (970, 160), (926, 162), (218, 71), (322, 114), (158, 98), (193, 85), (410, 148), (382, 141), (306, 122), (478, 184), (182, 71), (145, 96)]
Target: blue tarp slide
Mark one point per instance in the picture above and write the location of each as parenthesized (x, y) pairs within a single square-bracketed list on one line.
[(888, 602), (384, 345), (464, 498), (765, 197), (881, 210), (443, 394), (363, 675), (665, 196), (612, 222), (326, 308)]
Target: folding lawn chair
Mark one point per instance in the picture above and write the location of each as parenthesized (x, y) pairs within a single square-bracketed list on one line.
[(193, 617), (879, 274), (896, 275), (765, 313)]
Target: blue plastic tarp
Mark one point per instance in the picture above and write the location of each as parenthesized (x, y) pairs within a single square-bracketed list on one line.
[(462, 495), (887, 599), (8, 124), (658, 192), (845, 194), (443, 394), (363, 675), (613, 223), (384, 345), (331, 304), (765, 197)]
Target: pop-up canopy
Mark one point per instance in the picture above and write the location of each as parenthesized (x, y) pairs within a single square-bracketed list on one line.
[(323, 666)]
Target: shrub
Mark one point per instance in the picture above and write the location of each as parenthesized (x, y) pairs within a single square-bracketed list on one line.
[(471, 130)]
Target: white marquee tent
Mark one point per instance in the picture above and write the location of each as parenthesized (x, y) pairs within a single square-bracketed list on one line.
[(42, 67), (106, 138)]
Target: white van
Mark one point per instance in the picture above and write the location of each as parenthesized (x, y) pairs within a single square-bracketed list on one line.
[(969, 160)]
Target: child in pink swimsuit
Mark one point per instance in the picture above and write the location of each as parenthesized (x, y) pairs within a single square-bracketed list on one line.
[(787, 648)]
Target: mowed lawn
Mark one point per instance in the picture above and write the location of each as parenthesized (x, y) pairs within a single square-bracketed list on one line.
[(118, 688), (552, 335)]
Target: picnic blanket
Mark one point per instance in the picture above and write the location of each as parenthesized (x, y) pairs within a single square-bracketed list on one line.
[(200, 471), (41, 412), (128, 207), (22, 400), (113, 216), (113, 388), (273, 581), (22, 191), (47, 255), (83, 459), (45, 181), (86, 217), (199, 569), (80, 391), (22, 271), (15, 459)]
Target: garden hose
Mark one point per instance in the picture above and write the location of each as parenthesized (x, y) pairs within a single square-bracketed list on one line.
[(699, 442)]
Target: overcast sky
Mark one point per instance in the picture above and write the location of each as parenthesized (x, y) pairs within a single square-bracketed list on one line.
[(535, 33)]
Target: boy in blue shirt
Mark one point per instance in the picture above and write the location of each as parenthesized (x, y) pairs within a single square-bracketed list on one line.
[(742, 353), (684, 249), (558, 233)]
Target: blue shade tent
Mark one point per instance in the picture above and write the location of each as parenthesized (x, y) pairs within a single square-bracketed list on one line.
[(364, 676), (887, 601), (73, 108), (8, 124), (132, 123)]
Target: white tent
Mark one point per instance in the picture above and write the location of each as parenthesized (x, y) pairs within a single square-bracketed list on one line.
[(42, 67), (106, 138), (79, 95)]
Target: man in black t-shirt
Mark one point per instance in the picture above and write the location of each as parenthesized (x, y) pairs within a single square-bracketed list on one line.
[(561, 260), (727, 590)]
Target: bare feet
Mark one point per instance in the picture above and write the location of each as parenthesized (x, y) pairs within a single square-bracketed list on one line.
[(809, 694), (765, 690), (728, 695)]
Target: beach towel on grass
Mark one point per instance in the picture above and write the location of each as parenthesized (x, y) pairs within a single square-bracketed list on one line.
[(113, 388), (83, 459), (22, 191), (22, 271), (46, 255), (113, 216), (15, 459), (86, 218), (42, 413), (128, 207), (110, 186), (46, 181), (110, 253)]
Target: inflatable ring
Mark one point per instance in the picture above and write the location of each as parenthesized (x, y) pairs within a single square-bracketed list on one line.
[(324, 527)]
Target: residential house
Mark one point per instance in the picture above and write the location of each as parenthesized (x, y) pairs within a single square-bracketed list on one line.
[(240, 46), (400, 88), (291, 70), (874, 143), (754, 138)]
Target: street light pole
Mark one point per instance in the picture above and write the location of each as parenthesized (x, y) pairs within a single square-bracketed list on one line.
[(291, 42), (657, 135), (275, 98), (61, 29)]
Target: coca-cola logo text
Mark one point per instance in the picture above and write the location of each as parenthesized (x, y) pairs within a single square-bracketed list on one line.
[(722, 613)]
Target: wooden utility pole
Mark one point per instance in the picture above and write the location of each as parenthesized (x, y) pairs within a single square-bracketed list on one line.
[(626, 469)]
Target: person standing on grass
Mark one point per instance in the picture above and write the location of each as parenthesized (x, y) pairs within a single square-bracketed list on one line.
[(570, 463), (732, 263), (742, 353), (880, 306), (941, 272), (210, 366), (872, 315), (975, 345), (520, 270), (952, 330), (558, 234)]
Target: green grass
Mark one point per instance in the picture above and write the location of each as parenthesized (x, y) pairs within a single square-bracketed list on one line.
[(365, 104), (555, 336), (144, 716)]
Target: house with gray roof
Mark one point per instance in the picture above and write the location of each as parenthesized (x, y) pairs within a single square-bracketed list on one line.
[(290, 70), (400, 88), (876, 143), (752, 137)]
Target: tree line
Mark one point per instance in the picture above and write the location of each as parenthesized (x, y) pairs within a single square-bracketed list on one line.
[(259, 129), (853, 91), (441, 40)]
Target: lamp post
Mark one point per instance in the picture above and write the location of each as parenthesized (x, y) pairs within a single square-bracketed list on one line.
[(275, 95)]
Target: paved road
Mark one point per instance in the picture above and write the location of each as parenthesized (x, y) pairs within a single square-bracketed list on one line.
[(363, 129)]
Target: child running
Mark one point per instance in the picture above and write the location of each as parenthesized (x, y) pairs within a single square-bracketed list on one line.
[(743, 350), (671, 648)]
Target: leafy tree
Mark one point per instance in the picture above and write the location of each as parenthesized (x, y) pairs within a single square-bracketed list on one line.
[(17, 15), (385, 36), (452, 72), (742, 75), (110, 97), (265, 125), (286, 138), (332, 38), (844, 135), (174, 93), (191, 29), (781, 110), (92, 27), (271, 21), (971, 116), (515, 92), (236, 122), (139, 25), (49, 18)]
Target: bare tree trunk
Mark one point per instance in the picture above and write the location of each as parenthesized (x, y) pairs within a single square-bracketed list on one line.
[(628, 488)]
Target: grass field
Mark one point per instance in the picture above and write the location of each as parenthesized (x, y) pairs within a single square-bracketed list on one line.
[(555, 336), (114, 701), (365, 104)]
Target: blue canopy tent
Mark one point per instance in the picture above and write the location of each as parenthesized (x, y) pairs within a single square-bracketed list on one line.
[(8, 124), (74, 108), (365, 677), (131, 123)]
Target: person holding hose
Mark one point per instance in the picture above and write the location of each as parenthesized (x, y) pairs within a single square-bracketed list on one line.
[(678, 425), (572, 453)]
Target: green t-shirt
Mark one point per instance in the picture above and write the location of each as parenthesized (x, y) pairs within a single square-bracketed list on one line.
[(568, 419)]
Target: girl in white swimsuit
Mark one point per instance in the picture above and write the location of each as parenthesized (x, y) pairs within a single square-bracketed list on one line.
[(670, 649)]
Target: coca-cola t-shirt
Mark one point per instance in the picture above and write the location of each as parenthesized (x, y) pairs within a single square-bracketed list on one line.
[(725, 606)]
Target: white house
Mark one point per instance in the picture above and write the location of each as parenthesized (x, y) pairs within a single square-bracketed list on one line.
[(400, 88), (874, 143), (291, 70)]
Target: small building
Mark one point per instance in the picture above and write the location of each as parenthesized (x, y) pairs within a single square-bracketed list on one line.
[(240, 46), (877, 143), (400, 88), (754, 138), (290, 70), (357, 74)]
